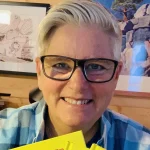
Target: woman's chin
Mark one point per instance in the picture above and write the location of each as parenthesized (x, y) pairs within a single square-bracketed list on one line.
[(76, 123)]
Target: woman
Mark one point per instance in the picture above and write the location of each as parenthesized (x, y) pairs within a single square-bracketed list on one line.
[(72, 38), (77, 69)]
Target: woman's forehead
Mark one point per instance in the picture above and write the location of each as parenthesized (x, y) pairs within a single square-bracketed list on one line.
[(80, 42)]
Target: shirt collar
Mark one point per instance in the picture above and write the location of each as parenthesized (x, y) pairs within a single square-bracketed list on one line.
[(39, 121), (105, 127)]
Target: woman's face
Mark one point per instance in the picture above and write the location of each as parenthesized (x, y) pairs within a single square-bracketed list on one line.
[(79, 43)]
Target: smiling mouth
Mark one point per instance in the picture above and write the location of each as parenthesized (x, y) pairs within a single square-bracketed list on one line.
[(77, 102)]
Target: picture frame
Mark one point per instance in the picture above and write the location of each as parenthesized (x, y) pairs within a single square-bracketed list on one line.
[(18, 36), (133, 17)]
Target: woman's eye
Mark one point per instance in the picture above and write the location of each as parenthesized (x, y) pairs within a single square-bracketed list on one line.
[(95, 67), (61, 66)]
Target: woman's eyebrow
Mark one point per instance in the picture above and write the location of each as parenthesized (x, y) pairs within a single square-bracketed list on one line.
[(58, 59)]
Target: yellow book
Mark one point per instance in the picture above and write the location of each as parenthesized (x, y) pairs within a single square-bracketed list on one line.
[(71, 141), (96, 147)]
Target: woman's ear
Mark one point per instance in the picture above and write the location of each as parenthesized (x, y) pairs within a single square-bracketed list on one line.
[(118, 70), (38, 71), (38, 66)]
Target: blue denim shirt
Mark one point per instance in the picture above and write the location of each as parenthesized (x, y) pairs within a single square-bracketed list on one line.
[(25, 125)]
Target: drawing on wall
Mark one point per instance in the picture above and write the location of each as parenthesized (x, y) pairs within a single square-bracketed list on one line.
[(15, 40), (18, 32), (136, 43), (134, 20)]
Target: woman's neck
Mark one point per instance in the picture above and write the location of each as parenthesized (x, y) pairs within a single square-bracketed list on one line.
[(53, 129)]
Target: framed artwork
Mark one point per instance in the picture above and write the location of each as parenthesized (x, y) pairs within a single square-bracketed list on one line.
[(18, 36), (134, 20)]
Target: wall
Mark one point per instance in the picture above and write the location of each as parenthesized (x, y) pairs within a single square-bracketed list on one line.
[(18, 87), (52, 2), (138, 108)]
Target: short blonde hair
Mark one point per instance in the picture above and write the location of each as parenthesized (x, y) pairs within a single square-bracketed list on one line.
[(79, 12)]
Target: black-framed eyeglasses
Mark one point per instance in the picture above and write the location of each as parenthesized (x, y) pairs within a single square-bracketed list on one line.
[(96, 70)]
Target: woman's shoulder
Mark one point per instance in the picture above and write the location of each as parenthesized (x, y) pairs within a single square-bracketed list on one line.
[(120, 119), (16, 125), (126, 129), (11, 113)]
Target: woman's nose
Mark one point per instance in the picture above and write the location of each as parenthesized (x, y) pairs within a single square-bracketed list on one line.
[(78, 81)]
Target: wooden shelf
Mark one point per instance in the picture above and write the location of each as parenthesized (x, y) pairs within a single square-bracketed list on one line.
[(132, 94)]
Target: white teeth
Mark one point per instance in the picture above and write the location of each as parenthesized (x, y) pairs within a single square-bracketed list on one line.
[(79, 102), (73, 102), (86, 101), (76, 102), (82, 102)]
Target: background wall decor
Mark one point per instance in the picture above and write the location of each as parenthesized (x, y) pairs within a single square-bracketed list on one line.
[(134, 20), (18, 35)]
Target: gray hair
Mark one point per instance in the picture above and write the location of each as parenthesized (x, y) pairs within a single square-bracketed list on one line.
[(79, 12)]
